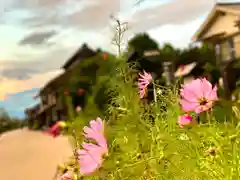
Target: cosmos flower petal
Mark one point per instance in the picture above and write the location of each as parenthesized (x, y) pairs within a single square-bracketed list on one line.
[(66, 176), (188, 106), (89, 158), (96, 132), (143, 82), (185, 120), (212, 95)]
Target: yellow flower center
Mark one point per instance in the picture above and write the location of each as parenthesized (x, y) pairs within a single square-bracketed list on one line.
[(203, 101)]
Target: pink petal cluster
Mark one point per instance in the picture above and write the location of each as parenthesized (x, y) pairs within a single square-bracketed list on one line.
[(78, 108), (198, 95), (90, 157), (185, 120), (55, 130), (96, 132), (143, 82), (80, 91), (66, 176)]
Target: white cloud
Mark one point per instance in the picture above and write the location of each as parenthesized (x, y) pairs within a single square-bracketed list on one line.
[(8, 42), (37, 81), (178, 35), (150, 14)]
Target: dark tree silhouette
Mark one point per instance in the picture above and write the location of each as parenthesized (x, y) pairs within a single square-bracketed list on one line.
[(142, 42)]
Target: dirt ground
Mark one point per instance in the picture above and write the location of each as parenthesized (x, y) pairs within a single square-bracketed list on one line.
[(29, 155)]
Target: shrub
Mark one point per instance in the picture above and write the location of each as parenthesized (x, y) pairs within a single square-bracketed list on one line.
[(7, 123), (146, 142)]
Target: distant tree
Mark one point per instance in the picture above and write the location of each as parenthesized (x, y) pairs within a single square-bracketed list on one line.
[(201, 55), (139, 44), (142, 42), (169, 53), (205, 58), (7, 123), (4, 114), (86, 76), (4, 117)]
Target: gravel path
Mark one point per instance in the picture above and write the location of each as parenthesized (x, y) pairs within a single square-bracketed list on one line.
[(29, 155)]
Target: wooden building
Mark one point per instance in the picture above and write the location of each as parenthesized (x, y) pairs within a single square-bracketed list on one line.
[(221, 31), (52, 107), (31, 114)]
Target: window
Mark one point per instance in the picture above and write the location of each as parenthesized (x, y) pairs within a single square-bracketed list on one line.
[(237, 45), (53, 98), (54, 114), (225, 51), (49, 99), (44, 100)]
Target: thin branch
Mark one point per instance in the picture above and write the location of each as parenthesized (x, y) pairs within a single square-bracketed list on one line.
[(120, 29)]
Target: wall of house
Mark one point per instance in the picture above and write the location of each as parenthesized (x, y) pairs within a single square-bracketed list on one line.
[(225, 54), (237, 44), (225, 49), (47, 98), (223, 24)]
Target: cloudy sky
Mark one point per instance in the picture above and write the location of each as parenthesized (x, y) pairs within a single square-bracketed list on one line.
[(37, 36)]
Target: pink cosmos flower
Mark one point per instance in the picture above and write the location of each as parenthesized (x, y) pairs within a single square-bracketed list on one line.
[(66, 176), (78, 108), (142, 92), (95, 126), (53, 130), (96, 132), (90, 158), (198, 95), (56, 128), (185, 120), (80, 91), (143, 82)]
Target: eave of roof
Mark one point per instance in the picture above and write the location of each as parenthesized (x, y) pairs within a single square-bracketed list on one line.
[(84, 48), (217, 10), (50, 82), (71, 59)]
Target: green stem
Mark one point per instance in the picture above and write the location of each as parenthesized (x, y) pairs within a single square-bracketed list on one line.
[(154, 92), (208, 118)]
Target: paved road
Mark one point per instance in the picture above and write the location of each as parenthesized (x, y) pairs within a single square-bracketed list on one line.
[(28, 155)]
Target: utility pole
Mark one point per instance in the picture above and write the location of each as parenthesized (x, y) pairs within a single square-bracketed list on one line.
[(223, 71), (168, 70)]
